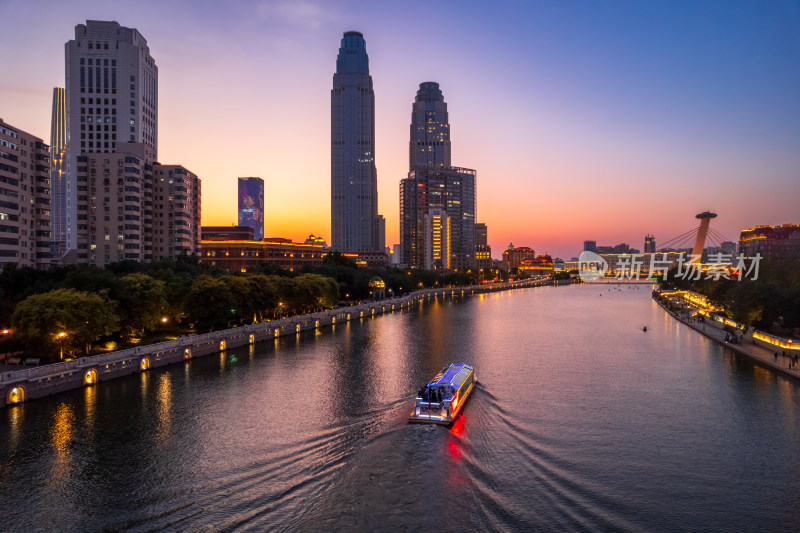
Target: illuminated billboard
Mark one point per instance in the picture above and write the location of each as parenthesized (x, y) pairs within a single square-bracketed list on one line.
[(251, 205)]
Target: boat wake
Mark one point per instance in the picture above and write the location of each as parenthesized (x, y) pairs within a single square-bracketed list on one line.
[(502, 496)]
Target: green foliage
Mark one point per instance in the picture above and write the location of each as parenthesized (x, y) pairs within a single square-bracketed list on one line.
[(142, 302), (336, 259), (265, 295), (210, 303), (40, 320), (772, 299), (131, 297)]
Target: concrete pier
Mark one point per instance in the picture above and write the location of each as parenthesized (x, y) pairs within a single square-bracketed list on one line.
[(23, 385)]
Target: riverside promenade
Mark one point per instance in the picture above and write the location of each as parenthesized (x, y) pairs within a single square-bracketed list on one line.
[(747, 347), (23, 385)]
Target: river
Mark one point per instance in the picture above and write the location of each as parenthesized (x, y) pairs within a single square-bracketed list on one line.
[(580, 421)]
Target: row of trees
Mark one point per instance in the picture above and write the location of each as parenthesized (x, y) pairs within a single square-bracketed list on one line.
[(67, 312), (67, 309), (770, 303)]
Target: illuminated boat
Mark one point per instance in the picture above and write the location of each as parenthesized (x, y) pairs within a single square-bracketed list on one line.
[(442, 398)]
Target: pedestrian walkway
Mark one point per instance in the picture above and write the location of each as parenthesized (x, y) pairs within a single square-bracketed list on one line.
[(746, 347)]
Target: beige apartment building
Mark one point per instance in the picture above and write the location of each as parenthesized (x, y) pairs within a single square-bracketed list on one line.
[(129, 209), (25, 226)]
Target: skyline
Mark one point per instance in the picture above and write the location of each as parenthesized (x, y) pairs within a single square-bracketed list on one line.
[(569, 113)]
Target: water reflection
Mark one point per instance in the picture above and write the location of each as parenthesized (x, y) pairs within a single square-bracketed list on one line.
[(580, 422), (16, 418), (89, 413), (164, 409), (61, 435)]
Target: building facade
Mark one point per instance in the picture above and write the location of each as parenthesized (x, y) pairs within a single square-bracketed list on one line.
[(111, 98), (176, 212), (25, 226), (514, 257), (58, 171), (543, 264), (430, 129), (129, 209), (246, 255), (772, 242), (227, 233), (111, 223), (649, 244), (437, 240), (450, 189), (483, 252), (251, 205), (355, 223)]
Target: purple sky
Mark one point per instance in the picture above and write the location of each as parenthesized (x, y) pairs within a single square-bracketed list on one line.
[(584, 120)]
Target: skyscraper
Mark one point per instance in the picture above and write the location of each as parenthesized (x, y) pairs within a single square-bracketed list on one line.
[(355, 223), (58, 174), (251, 205), (434, 184), (430, 129), (111, 97)]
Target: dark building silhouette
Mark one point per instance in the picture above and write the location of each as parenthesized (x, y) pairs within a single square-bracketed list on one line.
[(355, 223)]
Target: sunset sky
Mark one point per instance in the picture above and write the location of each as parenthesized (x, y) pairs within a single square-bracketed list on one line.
[(584, 120)]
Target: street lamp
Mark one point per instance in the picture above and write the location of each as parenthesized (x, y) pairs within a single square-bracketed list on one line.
[(61, 344), (280, 309)]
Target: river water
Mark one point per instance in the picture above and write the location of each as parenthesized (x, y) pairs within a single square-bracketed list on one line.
[(580, 421)]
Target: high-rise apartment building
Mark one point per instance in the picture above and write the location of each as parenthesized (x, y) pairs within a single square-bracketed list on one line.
[(58, 171), (176, 212), (111, 222), (25, 231), (251, 205), (590, 246), (355, 223), (111, 98), (130, 209), (433, 183)]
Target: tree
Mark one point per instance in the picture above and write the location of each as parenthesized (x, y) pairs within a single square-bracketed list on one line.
[(177, 284), (245, 303), (64, 318), (142, 302), (90, 279), (209, 303), (265, 295)]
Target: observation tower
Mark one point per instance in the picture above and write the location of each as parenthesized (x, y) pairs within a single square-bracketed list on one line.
[(700, 241)]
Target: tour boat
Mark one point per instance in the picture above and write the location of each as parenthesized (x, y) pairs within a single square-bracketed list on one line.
[(440, 400)]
